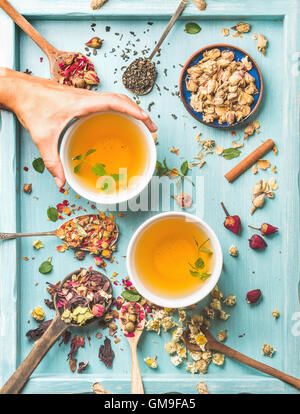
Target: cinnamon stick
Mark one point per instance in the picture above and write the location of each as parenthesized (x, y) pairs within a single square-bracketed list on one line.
[(249, 160)]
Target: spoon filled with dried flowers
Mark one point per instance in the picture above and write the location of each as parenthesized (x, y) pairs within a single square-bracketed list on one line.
[(68, 68), (82, 298), (140, 75), (209, 343), (132, 320), (93, 233)]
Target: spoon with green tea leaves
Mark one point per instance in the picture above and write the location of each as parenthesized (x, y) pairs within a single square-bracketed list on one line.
[(72, 310), (68, 68), (93, 233), (139, 77), (211, 344)]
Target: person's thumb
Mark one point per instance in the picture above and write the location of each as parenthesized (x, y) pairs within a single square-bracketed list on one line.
[(49, 153)]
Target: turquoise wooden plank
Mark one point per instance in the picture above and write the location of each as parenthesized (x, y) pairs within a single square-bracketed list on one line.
[(275, 271)]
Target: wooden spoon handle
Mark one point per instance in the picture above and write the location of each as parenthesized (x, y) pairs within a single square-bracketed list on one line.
[(136, 379), (10, 236), (231, 353), (175, 16), (17, 381), (28, 28)]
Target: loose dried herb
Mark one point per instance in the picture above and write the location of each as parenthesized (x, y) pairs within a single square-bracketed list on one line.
[(73, 364), (131, 295), (77, 70), (106, 354), (38, 165), (46, 266), (199, 263), (65, 338), (140, 76), (192, 28), (38, 332), (52, 214), (49, 303), (231, 153), (163, 169), (82, 366), (76, 343)]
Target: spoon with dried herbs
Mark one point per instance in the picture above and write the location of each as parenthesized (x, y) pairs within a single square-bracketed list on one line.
[(209, 343), (93, 233), (132, 320), (68, 68), (82, 298), (140, 75)]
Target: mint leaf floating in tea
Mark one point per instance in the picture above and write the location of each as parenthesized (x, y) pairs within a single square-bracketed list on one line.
[(38, 165), (99, 170), (231, 153), (192, 28), (199, 263), (52, 214), (46, 266), (131, 295)]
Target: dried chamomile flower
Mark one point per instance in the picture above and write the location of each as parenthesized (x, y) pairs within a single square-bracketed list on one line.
[(195, 355), (230, 300), (223, 315), (275, 314), (180, 350), (38, 314), (251, 129), (233, 251), (242, 27), (210, 313), (206, 356), (170, 347), (176, 360), (202, 366), (37, 244), (182, 315), (218, 358), (262, 44), (177, 334), (197, 319), (215, 304), (268, 350), (192, 367), (216, 293), (225, 32), (202, 388), (237, 145), (151, 362), (254, 169), (222, 336), (263, 164), (207, 145), (152, 325), (167, 323), (219, 150)]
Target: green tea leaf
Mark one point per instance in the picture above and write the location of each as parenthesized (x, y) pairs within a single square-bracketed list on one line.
[(184, 167), (117, 177), (80, 230), (52, 213), (199, 263), (78, 157), (46, 266), (192, 28), (201, 275), (231, 153), (131, 295), (90, 152), (206, 251), (77, 168), (99, 170), (38, 165), (194, 273)]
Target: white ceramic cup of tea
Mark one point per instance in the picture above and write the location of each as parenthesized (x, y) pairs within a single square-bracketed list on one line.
[(166, 300), (138, 183)]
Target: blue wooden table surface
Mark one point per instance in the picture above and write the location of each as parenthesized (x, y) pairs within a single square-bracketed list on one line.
[(67, 25)]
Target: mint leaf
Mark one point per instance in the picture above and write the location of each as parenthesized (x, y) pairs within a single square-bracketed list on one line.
[(46, 266), (231, 153), (77, 168), (78, 157), (199, 263), (117, 177), (99, 170), (89, 152), (131, 295), (192, 28), (38, 165), (52, 213), (184, 167)]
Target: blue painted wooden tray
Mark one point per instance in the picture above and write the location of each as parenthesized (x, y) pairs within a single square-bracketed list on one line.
[(275, 271)]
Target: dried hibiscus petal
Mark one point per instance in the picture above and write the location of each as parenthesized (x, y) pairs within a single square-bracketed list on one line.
[(73, 364), (256, 242), (232, 223), (82, 366), (77, 342), (106, 354), (38, 332)]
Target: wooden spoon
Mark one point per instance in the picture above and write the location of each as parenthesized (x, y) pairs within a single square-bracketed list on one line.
[(54, 55), (171, 23), (213, 345), (133, 339), (59, 231), (57, 327)]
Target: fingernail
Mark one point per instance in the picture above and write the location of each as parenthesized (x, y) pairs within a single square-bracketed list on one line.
[(58, 182), (154, 125)]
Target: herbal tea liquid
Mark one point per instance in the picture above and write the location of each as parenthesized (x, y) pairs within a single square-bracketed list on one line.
[(168, 260), (102, 145)]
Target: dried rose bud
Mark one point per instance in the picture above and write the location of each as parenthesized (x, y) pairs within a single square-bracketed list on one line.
[(98, 310), (99, 261), (78, 82), (95, 42), (253, 296), (266, 229), (27, 188), (91, 78), (184, 200), (256, 242), (69, 59), (232, 223), (79, 254)]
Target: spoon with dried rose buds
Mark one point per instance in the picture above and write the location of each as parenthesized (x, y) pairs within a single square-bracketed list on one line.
[(93, 233), (132, 320), (140, 75), (68, 68), (73, 308), (211, 344)]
